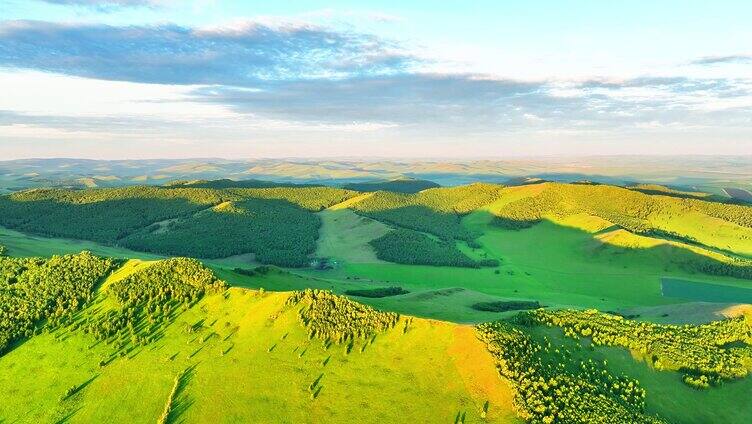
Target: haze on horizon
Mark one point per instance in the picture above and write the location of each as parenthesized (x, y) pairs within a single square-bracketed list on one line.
[(114, 79)]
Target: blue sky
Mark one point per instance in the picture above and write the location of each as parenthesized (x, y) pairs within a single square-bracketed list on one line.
[(454, 79)]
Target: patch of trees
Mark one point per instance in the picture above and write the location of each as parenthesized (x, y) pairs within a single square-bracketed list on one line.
[(437, 211), (738, 268), (338, 319), (150, 299), (411, 247), (505, 306), (707, 350), (378, 292), (3, 250), (34, 290), (551, 386), (245, 271)]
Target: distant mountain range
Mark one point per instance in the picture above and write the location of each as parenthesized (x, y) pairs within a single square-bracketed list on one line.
[(697, 173)]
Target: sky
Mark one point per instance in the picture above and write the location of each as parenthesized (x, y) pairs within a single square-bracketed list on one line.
[(115, 79)]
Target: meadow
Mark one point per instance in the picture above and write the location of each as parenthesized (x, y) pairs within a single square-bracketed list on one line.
[(255, 339), (168, 335)]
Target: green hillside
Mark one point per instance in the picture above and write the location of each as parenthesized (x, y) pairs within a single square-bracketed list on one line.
[(169, 336), (567, 245), (171, 348), (276, 224)]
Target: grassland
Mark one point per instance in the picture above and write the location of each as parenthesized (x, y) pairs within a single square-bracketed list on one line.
[(435, 371), (261, 342)]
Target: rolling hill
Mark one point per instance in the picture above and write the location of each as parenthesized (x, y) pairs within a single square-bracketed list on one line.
[(606, 247), (169, 336)]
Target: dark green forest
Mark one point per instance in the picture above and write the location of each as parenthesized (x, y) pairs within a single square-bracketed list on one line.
[(276, 224), (33, 290), (407, 185), (411, 247)]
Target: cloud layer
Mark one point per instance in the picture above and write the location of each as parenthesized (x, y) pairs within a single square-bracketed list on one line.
[(715, 60), (313, 77), (108, 4), (241, 55)]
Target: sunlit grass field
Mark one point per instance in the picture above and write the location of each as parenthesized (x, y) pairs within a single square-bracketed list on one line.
[(252, 361)]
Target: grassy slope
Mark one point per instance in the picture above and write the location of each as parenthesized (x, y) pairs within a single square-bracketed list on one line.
[(432, 372), (25, 245), (581, 268), (345, 235)]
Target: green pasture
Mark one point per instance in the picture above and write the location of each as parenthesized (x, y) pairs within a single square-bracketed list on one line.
[(251, 361)]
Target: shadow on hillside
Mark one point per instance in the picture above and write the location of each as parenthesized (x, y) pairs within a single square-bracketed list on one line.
[(674, 250), (420, 218), (65, 419), (181, 401)]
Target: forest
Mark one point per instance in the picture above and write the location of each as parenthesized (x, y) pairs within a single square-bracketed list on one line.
[(411, 247), (34, 291), (276, 231), (276, 224), (552, 386), (706, 353)]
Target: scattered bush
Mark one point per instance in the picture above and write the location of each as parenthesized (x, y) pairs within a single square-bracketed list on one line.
[(704, 350), (552, 387), (151, 298)]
